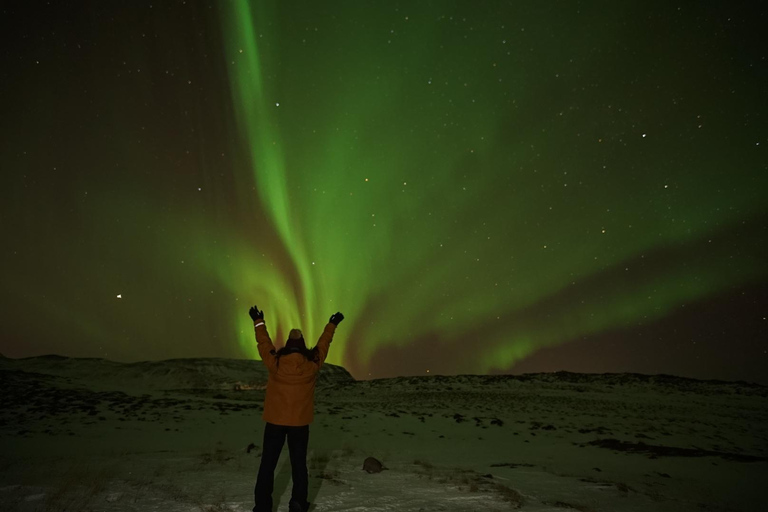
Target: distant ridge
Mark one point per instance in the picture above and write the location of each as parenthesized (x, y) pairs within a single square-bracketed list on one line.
[(52, 357), (192, 373), (658, 378), (579, 382), (223, 373)]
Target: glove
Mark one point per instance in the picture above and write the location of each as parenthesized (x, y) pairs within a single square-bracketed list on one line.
[(256, 314), (335, 319)]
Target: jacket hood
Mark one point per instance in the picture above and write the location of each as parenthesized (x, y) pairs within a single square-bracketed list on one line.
[(294, 363)]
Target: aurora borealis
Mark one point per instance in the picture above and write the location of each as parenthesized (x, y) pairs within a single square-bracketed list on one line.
[(478, 187)]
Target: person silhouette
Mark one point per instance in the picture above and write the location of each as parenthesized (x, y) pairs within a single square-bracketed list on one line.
[(288, 407)]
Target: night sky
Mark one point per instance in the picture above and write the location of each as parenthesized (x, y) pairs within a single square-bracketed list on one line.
[(480, 187)]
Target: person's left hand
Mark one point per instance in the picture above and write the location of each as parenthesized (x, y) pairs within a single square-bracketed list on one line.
[(336, 318), (256, 314)]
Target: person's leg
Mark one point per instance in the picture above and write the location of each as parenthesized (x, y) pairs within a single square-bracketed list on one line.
[(298, 440), (274, 438)]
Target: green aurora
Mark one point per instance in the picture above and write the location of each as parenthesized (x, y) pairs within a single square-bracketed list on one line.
[(357, 221), (512, 175)]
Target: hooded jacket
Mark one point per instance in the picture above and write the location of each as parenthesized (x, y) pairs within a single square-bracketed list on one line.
[(290, 399)]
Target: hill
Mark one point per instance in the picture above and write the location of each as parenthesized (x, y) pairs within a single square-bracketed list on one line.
[(170, 374)]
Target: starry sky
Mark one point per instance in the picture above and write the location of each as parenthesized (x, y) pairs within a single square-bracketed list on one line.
[(480, 187)]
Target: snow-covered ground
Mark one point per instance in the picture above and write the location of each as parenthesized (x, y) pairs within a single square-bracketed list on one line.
[(93, 435)]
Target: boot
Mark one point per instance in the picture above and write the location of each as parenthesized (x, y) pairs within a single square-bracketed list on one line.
[(295, 506)]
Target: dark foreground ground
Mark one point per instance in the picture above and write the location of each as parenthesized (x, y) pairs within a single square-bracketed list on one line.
[(539, 442)]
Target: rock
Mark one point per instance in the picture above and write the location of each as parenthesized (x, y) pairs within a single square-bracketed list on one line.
[(373, 465)]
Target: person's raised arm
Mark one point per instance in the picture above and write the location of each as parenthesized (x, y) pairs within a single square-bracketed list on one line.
[(324, 343), (266, 348)]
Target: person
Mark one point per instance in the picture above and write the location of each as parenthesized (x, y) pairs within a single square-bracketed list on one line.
[(288, 407)]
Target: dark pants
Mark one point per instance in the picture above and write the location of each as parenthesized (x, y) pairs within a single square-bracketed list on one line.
[(274, 438)]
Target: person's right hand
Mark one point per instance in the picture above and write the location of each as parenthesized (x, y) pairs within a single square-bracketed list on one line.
[(256, 314), (336, 318)]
